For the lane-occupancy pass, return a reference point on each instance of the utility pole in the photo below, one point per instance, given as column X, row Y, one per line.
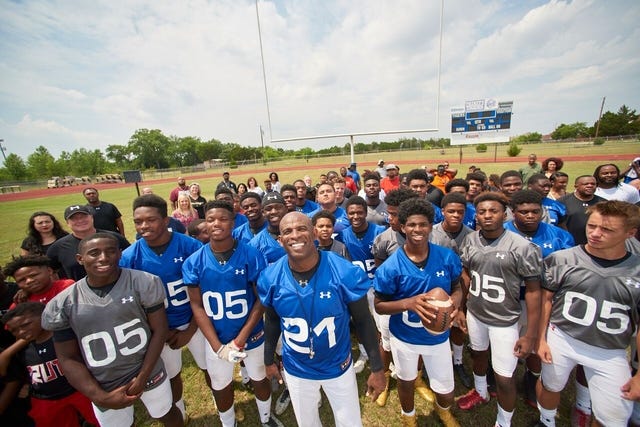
column 3, row 149
column 600, row 115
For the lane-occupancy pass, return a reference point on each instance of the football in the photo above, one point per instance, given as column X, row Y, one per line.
column 440, row 299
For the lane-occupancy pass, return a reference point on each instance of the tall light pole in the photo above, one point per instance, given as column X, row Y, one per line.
column 3, row 149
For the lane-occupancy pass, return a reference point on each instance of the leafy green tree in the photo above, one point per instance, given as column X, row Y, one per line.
column 40, row 163
column 150, row 148
column 85, row 162
column 574, row 130
column 208, row 150
column 624, row 122
column 119, row 154
column 15, row 167
column 528, row 137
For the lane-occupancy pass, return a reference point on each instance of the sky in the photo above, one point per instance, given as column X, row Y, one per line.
column 77, row 74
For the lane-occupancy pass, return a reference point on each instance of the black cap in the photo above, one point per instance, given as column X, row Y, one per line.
column 272, row 197
column 72, row 210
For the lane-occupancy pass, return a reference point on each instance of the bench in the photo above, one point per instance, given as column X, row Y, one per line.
column 10, row 189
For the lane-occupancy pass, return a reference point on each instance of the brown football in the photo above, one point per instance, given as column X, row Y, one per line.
column 440, row 299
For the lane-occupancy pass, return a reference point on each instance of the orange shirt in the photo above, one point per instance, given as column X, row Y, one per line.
column 388, row 184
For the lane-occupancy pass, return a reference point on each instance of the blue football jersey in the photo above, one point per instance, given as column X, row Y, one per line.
column 549, row 237
column 227, row 289
column 556, row 210
column 314, row 317
column 470, row 216
column 244, row 233
column 340, row 214
column 168, row 266
column 268, row 246
column 239, row 220
column 400, row 278
column 308, row 207
column 360, row 249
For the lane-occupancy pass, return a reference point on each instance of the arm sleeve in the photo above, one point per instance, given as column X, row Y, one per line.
column 366, row 330
column 271, row 334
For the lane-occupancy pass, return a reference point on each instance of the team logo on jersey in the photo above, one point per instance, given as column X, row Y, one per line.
column 325, row 295
column 547, row 245
column 632, row 282
column 177, row 260
column 127, row 299
column 303, row 283
column 42, row 351
column 499, row 255
column 239, row 271
column 440, row 273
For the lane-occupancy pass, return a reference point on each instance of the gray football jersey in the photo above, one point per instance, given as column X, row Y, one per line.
column 632, row 245
column 113, row 333
column 442, row 238
column 594, row 304
column 497, row 269
column 387, row 243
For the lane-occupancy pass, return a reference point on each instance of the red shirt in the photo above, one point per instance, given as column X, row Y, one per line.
column 44, row 297
column 388, row 184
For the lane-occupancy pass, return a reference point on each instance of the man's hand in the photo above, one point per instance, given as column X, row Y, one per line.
column 117, row 398
column 272, row 372
column 544, row 352
column 376, row 383
column 230, row 353
column 178, row 339
column 460, row 320
column 523, row 347
column 631, row 389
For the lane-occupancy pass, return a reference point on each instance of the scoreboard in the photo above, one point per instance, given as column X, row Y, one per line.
column 481, row 121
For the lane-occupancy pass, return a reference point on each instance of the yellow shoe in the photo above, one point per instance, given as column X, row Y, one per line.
column 447, row 417
column 409, row 420
column 239, row 415
column 424, row 391
column 382, row 398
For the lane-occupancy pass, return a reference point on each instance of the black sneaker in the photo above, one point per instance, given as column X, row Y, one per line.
column 282, row 402
column 273, row 422
column 462, row 375
column 529, row 384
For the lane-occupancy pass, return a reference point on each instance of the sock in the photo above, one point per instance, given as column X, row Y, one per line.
column 409, row 414
column 481, row 385
column 363, row 352
column 228, row 417
column 504, row 417
column 183, row 410
column 264, row 409
column 547, row 416
column 583, row 400
column 457, row 354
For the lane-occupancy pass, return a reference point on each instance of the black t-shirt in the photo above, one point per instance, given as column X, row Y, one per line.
column 7, row 292
column 63, row 255
column 47, row 378
column 576, row 218
column 105, row 215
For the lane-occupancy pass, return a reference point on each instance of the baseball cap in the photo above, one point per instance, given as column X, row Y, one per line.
column 380, row 161
column 390, row 166
column 636, row 160
column 272, row 197
column 74, row 209
column 225, row 173
column 352, row 164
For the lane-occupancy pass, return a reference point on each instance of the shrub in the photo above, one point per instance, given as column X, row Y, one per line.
column 513, row 149
column 481, row 148
column 598, row 141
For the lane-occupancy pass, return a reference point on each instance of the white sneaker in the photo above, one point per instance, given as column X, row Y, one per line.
column 359, row 365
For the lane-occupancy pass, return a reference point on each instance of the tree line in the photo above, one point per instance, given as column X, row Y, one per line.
column 151, row 149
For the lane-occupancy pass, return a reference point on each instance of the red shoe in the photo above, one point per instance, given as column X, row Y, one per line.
column 579, row 418
column 471, row 400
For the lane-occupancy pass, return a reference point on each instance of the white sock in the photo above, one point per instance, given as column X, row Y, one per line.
column 245, row 375
column 457, row 354
column 547, row 416
column 583, row 400
column 228, row 417
column 363, row 352
column 409, row 414
column 480, row 382
column 183, row 410
column 264, row 409
column 504, row 417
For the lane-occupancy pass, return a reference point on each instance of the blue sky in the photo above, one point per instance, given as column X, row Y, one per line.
column 79, row 74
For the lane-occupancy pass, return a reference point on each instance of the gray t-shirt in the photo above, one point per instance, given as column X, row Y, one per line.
column 497, row 268
column 112, row 331
column 386, row 243
column 594, row 304
column 442, row 238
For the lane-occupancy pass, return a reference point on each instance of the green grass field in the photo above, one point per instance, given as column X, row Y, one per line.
column 197, row 396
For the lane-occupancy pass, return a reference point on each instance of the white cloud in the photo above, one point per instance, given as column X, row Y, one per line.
column 92, row 73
